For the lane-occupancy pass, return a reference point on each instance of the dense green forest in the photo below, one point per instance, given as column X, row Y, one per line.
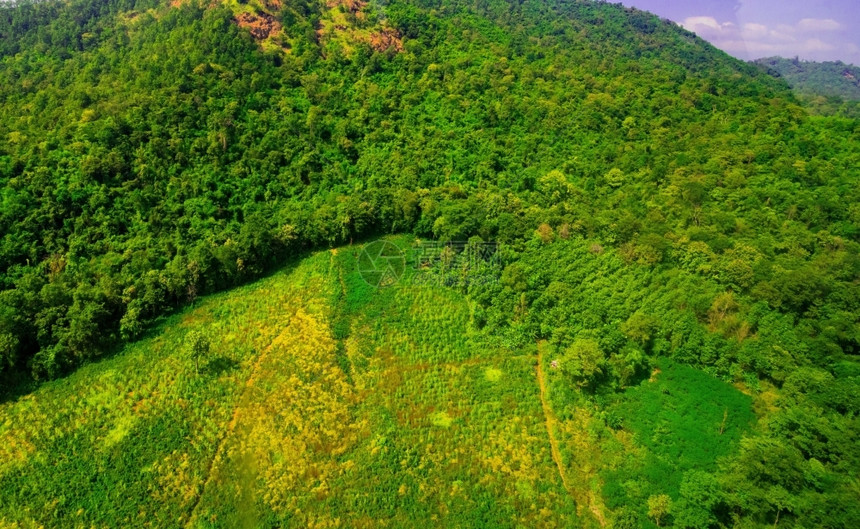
column 659, row 204
column 831, row 87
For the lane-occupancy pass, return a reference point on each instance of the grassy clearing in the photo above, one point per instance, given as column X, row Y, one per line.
column 141, row 425
column 325, row 403
column 328, row 403
column 681, row 421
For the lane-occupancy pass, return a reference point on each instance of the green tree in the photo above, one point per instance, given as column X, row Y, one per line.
column 8, row 350
column 615, row 177
column 700, row 494
column 659, row 507
column 582, row 361
column 639, row 328
column 197, row 347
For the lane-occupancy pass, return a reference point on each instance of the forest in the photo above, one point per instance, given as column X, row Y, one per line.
column 659, row 205
column 827, row 88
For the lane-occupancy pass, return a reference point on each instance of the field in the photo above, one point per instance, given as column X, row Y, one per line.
column 684, row 421
column 324, row 402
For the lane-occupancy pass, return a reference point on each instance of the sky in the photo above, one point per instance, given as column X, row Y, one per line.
column 750, row 29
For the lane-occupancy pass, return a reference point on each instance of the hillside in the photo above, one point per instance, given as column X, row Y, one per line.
column 827, row 87
column 822, row 78
column 322, row 403
column 167, row 155
column 667, row 217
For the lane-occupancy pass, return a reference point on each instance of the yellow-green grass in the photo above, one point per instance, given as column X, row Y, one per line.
column 324, row 403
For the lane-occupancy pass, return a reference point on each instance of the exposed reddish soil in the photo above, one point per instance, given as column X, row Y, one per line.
column 260, row 26
column 354, row 6
column 386, row 38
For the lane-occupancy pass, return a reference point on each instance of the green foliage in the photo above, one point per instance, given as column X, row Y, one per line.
column 659, row 506
column 436, row 421
column 687, row 421
column 8, row 350
column 174, row 172
column 582, row 362
column 196, row 348
column 828, row 88
column 659, row 203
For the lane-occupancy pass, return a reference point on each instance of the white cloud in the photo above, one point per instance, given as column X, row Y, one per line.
column 817, row 45
column 782, row 36
column 696, row 22
column 818, row 24
column 706, row 25
column 755, row 31
column 812, row 38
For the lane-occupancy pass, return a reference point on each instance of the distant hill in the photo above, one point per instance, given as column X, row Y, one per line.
column 820, row 78
column 825, row 86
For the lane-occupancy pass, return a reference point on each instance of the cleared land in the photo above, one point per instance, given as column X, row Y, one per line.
column 324, row 403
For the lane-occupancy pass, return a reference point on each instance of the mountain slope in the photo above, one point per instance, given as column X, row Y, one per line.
column 828, row 88
column 322, row 402
column 817, row 78
column 169, row 156
column 273, row 432
column 655, row 199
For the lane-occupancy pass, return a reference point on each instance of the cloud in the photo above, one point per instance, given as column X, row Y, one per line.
column 782, row 36
column 818, row 24
column 817, row 45
column 813, row 38
column 755, row 31
column 706, row 25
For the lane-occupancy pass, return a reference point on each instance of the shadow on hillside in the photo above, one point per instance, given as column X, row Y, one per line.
column 219, row 365
column 16, row 383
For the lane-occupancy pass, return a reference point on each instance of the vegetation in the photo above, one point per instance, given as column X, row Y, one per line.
column 659, row 206
column 688, row 421
column 429, row 421
column 831, row 88
column 197, row 345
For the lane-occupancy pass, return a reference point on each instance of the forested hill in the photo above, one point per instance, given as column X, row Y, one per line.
column 833, row 78
column 655, row 198
column 831, row 87
column 152, row 153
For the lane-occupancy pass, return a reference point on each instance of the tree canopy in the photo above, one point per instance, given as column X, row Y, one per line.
column 656, row 198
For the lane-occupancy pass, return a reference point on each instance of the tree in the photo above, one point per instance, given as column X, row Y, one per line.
column 640, row 328
column 545, row 233
column 615, row 177
column 555, row 188
column 700, row 497
column 197, row 347
column 8, row 350
column 659, row 506
column 582, row 361
column 627, row 363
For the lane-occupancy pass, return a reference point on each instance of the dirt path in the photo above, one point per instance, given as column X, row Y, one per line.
column 579, row 492
column 551, row 420
column 332, row 254
column 231, row 426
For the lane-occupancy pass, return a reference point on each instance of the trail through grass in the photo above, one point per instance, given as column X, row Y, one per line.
column 325, row 403
column 551, row 419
